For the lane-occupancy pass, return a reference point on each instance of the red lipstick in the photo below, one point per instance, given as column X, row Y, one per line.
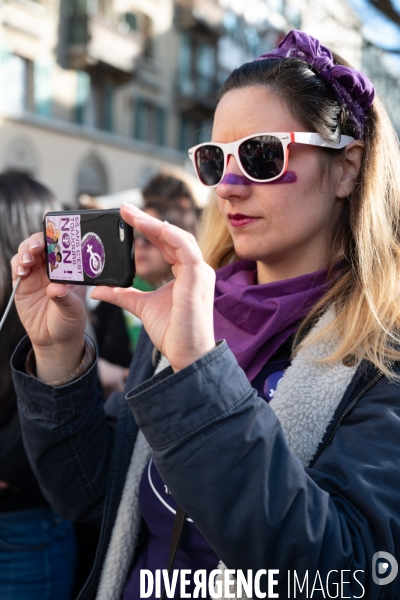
column 239, row 220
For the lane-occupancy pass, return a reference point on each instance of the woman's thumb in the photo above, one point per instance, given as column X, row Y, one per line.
column 127, row 298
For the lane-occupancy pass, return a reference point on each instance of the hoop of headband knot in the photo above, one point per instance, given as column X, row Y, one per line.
column 353, row 89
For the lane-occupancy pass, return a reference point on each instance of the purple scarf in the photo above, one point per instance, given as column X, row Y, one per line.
column 256, row 319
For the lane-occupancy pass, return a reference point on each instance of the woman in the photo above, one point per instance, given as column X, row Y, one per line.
column 37, row 546
column 290, row 463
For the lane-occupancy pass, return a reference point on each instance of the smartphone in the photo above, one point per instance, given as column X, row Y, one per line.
column 89, row 247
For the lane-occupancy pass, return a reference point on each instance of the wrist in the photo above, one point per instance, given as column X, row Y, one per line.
column 187, row 360
column 56, row 363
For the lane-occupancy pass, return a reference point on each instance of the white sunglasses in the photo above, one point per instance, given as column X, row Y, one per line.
column 262, row 157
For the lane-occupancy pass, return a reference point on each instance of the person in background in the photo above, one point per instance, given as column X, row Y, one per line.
column 117, row 331
column 173, row 191
column 37, row 546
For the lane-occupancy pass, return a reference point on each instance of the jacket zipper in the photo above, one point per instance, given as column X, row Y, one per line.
column 351, row 406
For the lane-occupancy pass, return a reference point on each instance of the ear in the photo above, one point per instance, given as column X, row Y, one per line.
column 350, row 168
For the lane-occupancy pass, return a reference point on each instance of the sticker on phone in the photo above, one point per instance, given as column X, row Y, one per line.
column 93, row 255
column 64, row 255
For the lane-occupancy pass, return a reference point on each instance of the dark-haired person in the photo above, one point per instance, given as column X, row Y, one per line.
column 54, row 258
column 37, row 546
column 281, row 443
column 169, row 189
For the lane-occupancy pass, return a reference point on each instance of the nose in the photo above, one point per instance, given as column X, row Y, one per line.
column 234, row 183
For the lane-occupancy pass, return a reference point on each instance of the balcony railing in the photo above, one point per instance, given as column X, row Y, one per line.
column 97, row 43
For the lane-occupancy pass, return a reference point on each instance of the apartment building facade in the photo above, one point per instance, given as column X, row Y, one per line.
column 66, row 102
column 98, row 95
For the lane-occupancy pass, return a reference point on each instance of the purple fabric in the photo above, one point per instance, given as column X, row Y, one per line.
column 233, row 179
column 256, row 319
column 51, row 257
column 353, row 89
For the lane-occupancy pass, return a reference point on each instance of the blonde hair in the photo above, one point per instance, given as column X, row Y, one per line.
column 366, row 291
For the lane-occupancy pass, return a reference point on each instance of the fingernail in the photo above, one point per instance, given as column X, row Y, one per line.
column 21, row 271
column 27, row 258
column 63, row 295
column 142, row 216
column 131, row 207
column 36, row 244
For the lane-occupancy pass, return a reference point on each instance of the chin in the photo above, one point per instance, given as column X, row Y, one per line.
column 249, row 254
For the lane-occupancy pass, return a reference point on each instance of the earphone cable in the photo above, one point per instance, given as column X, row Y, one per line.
column 10, row 303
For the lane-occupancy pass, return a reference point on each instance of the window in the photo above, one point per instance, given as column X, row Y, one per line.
column 205, row 69
column 233, row 25
column 28, row 84
column 81, row 6
column 42, row 87
column 131, row 20
column 82, row 96
column 108, row 102
column 16, row 81
column 244, row 34
column 277, row 5
column 94, row 102
column 186, row 85
column 149, row 122
column 197, row 66
column 293, row 13
column 193, row 131
column 253, row 41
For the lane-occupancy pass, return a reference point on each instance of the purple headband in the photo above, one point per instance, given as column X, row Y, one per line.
column 353, row 89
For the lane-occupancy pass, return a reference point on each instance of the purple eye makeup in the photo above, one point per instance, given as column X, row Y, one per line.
column 233, row 179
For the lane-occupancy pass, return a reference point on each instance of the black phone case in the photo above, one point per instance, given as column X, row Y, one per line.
column 118, row 268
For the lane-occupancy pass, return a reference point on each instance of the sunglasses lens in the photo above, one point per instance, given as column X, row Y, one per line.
column 210, row 164
column 262, row 157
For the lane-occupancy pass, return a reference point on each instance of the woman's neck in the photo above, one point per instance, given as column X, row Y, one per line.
column 270, row 272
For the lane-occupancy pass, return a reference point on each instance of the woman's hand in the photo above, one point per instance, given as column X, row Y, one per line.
column 179, row 315
column 53, row 314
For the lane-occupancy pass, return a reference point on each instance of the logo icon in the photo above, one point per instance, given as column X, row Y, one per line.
column 66, row 240
column 93, row 255
column 271, row 383
column 384, row 568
